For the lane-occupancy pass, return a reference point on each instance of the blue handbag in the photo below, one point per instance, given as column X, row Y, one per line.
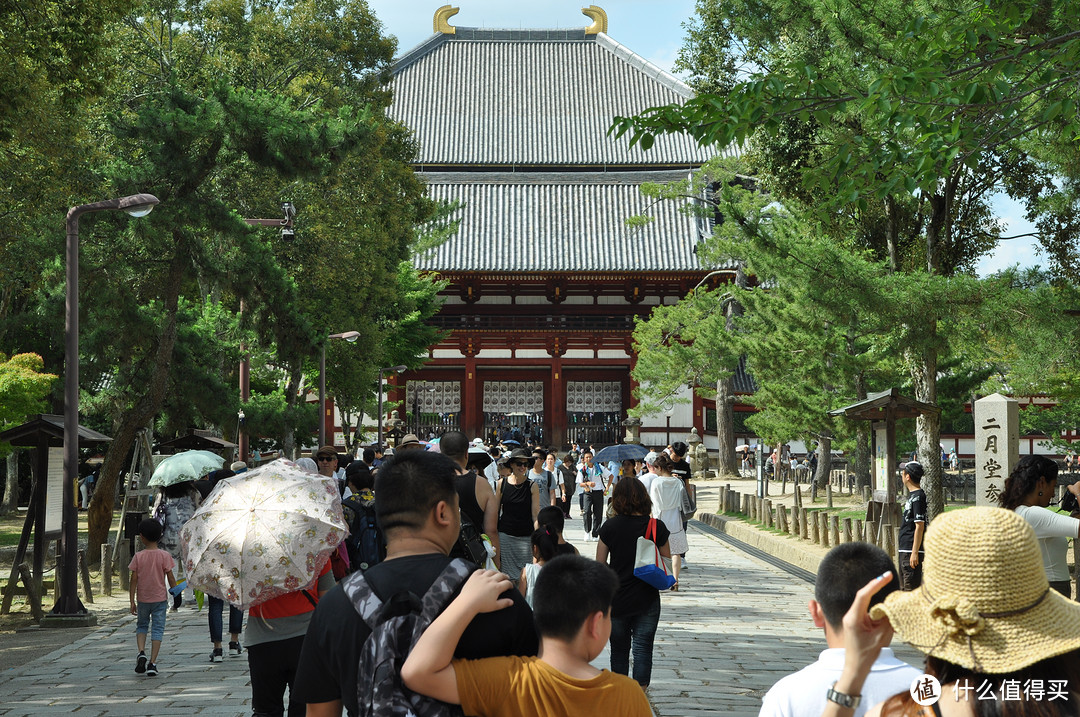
column 649, row 564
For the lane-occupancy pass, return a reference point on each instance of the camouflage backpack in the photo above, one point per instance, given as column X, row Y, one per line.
column 395, row 627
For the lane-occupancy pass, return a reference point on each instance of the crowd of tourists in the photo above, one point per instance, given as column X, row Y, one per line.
column 469, row 594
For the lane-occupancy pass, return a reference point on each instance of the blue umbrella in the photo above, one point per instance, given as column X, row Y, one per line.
column 621, row 452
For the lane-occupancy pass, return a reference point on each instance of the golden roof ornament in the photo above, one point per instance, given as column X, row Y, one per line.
column 441, row 21
column 599, row 18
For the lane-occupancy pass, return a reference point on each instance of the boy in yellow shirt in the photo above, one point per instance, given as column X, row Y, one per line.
column 572, row 609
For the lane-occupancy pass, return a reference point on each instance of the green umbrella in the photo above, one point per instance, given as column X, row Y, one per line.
column 186, row 466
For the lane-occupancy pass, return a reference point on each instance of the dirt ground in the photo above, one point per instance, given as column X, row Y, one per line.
column 21, row 640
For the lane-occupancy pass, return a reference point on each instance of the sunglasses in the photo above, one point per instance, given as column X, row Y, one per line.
column 522, row 464
column 325, row 459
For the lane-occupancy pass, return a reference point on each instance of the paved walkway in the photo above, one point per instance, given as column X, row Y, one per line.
column 736, row 626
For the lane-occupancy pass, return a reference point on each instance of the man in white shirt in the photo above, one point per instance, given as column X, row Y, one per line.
column 844, row 570
column 593, row 479
column 646, row 478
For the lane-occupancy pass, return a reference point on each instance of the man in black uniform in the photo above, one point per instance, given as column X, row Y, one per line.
column 417, row 507
column 912, row 528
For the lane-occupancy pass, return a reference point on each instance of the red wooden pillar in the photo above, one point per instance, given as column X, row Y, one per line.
column 558, row 403
column 699, row 414
column 472, row 419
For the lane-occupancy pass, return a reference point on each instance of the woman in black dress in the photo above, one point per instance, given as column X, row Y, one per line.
column 635, row 611
column 518, row 499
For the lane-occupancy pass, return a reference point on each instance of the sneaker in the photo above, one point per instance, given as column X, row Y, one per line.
column 586, row 536
column 140, row 663
column 217, row 655
column 151, row 670
column 234, row 649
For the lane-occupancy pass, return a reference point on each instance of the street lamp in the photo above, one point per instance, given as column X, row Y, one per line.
column 288, row 232
column 351, row 337
column 396, row 369
column 68, row 604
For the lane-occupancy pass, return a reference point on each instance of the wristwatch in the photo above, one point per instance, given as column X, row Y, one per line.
column 849, row 701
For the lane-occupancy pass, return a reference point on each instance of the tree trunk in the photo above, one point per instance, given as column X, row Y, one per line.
column 862, row 440
column 924, row 364
column 11, row 484
column 928, row 429
column 292, row 397
column 728, row 466
column 138, row 416
column 728, row 463
column 862, row 455
column 824, row 460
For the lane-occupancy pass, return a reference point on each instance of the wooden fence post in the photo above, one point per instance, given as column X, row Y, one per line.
column 804, row 523
column 84, row 572
column 33, row 599
column 834, row 532
column 106, row 569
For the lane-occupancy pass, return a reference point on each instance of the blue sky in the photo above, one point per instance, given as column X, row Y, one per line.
column 652, row 29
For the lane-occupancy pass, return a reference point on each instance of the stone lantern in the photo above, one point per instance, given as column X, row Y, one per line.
column 633, row 430
column 697, row 454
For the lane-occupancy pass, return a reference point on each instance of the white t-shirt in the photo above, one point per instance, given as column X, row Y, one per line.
column 1053, row 531
column 802, row 694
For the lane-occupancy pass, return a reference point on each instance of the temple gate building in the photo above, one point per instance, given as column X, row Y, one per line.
column 546, row 277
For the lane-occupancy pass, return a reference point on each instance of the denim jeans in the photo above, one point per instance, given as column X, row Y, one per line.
column 146, row 612
column 639, row 631
column 214, row 609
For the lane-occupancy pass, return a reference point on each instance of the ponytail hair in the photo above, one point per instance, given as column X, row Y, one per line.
column 1025, row 476
column 663, row 463
column 544, row 540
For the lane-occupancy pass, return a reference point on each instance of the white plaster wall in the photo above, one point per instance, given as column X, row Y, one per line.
column 611, row 354
column 532, row 354
column 447, row 353
column 578, row 354
column 493, row 353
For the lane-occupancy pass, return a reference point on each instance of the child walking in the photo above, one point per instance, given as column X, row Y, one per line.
column 543, row 550
column 573, row 617
column 150, row 567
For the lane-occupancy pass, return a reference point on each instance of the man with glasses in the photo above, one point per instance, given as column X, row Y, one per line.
column 326, row 458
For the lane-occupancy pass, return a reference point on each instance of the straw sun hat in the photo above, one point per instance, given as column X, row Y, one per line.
column 984, row 603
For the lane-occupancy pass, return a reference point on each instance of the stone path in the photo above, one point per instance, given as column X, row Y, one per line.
column 736, row 626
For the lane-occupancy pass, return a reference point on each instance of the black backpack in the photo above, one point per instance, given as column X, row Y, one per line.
column 395, row 627
column 365, row 543
column 470, row 544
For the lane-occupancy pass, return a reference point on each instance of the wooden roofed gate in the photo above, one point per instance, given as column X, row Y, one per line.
column 546, row 276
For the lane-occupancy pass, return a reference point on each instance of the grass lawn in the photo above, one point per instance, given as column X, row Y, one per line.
column 11, row 527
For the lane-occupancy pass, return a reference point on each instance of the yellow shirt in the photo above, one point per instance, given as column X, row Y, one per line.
column 527, row 687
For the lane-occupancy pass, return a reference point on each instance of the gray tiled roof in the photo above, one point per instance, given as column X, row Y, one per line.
column 532, row 97
column 572, row 221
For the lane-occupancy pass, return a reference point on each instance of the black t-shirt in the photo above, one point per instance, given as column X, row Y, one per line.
column 620, row 533
column 914, row 512
column 681, row 470
column 331, row 653
column 515, row 511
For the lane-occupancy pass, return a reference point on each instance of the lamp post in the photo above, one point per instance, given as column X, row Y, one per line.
column 68, row 604
column 288, row 232
column 351, row 337
column 396, row 369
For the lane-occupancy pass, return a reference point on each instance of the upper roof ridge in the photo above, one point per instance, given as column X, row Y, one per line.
column 574, row 34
